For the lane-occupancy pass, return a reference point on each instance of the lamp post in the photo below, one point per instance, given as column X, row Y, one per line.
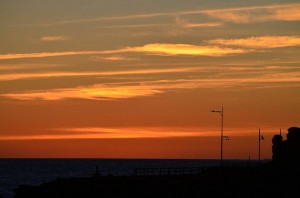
column 221, row 137
column 260, row 137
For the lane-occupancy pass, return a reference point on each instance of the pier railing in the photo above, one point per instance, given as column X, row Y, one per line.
column 167, row 171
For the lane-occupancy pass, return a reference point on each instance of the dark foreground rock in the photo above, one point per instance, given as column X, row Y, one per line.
column 213, row 182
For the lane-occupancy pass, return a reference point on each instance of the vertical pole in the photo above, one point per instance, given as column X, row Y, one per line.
column 258, row 145
column 222, row 114
column 280, row 131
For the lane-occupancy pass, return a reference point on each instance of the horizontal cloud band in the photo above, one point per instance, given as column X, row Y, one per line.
column 281, row 12
column 147, row 88
column 260, row 42
column 157, row 49
column 164, row 49
column 130, row 132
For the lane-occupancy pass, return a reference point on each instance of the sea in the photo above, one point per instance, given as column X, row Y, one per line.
column 15, row 172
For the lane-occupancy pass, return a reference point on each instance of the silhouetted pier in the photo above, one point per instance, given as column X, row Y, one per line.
column 167, row 171
column 277, row 179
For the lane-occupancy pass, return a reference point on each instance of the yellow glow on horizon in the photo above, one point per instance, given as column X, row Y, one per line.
column 135, row 132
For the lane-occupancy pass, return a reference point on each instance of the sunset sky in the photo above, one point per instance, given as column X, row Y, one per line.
column 138, row 78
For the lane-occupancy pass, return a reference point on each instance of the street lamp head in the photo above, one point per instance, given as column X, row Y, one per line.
column 226, row 137
column 222, row 137
column 214, row 111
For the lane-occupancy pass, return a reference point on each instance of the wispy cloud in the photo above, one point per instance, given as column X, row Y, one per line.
column 22, row 76
column 54, row 38
column 260, row 42
column 201, row 25
column 95, row 92
column 284, row 12
column 236, row 16
column 114, row 58
column 114, row 133
column 104, row 91
column 155, row 132
column 7, row 67
column 186, row 49
column 133, row 132
column 150, row 88
column 56, row 54
column 132, row 26
column 156, row 48
column 112, row 18
column 188, row 24
column 288, row 12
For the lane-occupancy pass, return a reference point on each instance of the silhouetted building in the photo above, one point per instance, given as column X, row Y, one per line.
column 287, row 151
column 277, row 148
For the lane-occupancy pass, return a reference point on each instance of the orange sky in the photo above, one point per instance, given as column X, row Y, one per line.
column 133, row 79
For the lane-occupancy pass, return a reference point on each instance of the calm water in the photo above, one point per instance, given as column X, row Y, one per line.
column 14, row 172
